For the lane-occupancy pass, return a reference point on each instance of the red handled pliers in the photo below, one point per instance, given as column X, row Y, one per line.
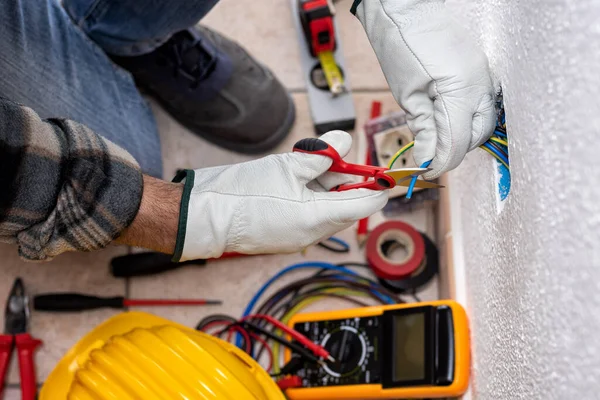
column 15, row 329
column 383, row 178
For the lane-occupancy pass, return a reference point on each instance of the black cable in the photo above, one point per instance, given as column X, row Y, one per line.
column 290, row 345
column 268, row 306
column 224, row 318
column 342, row 248
column 367, row 287
column 414, row 295
column 498, row 147
column 284, row 308
column 348, row 264
column 290, row 288
column 213, row 318
column 325, row 270
column 291, row 367
column 353, row 264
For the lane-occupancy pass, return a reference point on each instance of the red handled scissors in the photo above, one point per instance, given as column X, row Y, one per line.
column 15, row 327
column 383, row 178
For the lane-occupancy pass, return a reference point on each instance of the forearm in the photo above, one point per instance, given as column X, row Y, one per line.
column 155, row 225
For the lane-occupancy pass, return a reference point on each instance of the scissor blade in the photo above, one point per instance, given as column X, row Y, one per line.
column 421, row 184
column 17, row 309
column 403, row 173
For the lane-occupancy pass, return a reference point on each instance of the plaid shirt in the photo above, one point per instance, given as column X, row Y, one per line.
column 62, row 187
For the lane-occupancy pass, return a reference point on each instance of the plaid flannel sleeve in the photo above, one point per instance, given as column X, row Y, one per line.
column 62, row 187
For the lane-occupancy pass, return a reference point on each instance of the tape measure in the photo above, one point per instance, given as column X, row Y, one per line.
column 417, row 350
column 332, row 73
column 316, row 17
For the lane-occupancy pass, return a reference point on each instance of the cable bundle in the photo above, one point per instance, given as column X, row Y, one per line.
column 263, row 328
column 497, row 145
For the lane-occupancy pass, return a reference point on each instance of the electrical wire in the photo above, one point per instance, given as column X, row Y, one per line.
column 333, row 283
column 285, row 319
column 499, row 148
column 344, row 246
column 499, row 141
column 399, row 153
column 266, row 346
column 215, row 317
column 492, row 153
column 282, row 341
column 256, row 336
column 311, row 264
column 498, row 153
column 317, row 350
column 413, row 181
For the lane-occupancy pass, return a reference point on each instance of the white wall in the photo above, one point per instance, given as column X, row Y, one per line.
column 533, row 271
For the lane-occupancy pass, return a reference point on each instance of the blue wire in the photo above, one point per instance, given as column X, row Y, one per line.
column 413, row 181
column 339, row 241
column 496, row 152
column 498, row 133
column 309, row 264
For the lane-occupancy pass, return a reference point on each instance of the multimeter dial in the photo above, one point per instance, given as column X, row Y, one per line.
column 348, row 347
column 353, row 343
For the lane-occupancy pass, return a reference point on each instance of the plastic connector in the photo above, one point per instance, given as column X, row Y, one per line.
column 289, row 382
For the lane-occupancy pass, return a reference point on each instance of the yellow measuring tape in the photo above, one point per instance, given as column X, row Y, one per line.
column 332, row 72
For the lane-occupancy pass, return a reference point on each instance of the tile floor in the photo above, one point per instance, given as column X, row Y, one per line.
column 266, row 29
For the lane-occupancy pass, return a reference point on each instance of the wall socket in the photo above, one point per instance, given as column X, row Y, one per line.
column 387, row 143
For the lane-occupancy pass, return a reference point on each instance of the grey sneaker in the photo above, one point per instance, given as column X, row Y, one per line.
column 216, row 89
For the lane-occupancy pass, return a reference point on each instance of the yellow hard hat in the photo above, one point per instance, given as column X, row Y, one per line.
column 135, row 356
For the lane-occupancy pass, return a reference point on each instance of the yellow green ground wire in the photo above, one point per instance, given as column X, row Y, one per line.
column 399, row 153
column 498, row 140
column 497, row 158
column 303, row 304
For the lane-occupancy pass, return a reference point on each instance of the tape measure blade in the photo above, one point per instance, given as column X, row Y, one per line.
column 334, row 77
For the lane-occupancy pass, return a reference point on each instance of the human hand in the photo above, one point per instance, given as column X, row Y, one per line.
column 280, row 203
column 438, row 75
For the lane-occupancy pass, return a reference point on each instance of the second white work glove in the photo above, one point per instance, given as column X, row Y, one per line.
column 438, row 75
column 279, row 203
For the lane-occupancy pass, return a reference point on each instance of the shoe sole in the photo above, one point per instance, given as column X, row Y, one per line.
column 244, row 148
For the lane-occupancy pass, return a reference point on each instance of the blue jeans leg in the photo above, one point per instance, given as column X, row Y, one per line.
column 48, row 63
column 134, row 27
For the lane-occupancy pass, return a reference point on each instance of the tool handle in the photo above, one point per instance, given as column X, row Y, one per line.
column 320, row 147
column 6, row 346
column 71, row 302
column 376, row 184
column 26, row 345
column 141, row 264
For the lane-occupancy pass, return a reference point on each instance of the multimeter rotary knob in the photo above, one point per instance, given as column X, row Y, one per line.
column 348, row 347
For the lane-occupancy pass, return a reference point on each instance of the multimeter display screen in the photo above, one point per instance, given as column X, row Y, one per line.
column 409, row 347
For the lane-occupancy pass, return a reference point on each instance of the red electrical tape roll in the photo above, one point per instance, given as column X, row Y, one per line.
column 407, row 236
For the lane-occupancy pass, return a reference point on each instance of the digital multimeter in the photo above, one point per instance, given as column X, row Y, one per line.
column 418, row 350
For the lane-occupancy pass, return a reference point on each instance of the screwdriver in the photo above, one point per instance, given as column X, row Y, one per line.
column 150, row 263
column 73, row 302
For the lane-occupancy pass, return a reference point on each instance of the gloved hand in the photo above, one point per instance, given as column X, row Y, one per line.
column 436, row 73
column 279, row 203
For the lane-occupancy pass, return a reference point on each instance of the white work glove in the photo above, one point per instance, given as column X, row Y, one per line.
column 436, row 73
column 279, row 203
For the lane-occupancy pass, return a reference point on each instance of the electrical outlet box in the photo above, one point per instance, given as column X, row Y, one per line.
column 387, row 143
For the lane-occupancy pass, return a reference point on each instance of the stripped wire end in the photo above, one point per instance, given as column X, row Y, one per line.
column 330, row 358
